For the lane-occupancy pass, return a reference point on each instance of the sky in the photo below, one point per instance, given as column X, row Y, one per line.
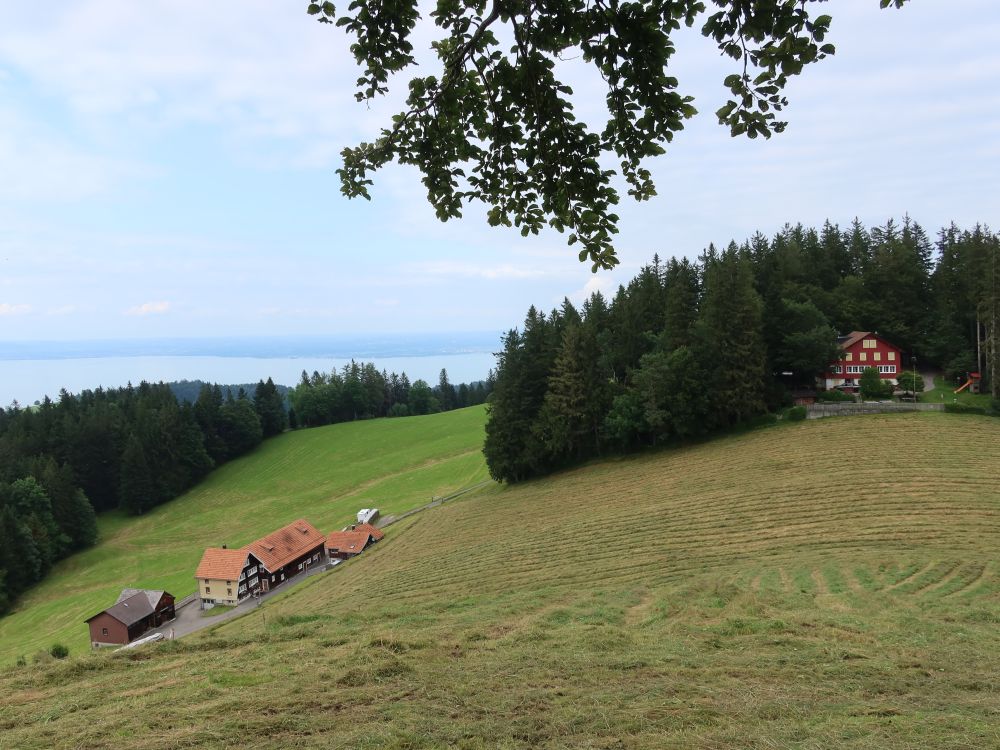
column 167, row 169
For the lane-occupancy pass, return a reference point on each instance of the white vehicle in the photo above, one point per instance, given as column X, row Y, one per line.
column 367, row 515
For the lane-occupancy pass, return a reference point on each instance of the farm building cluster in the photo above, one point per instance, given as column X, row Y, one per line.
column 230, row 576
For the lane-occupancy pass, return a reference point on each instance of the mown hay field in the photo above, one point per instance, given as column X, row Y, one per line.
column 323, row 475
column 829, row 584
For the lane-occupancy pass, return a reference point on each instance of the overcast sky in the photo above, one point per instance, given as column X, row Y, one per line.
column 167, row 169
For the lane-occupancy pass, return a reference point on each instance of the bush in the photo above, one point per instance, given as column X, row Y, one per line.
column 964, row 409
column 59, row 651
column 796, row 414
column 834, row 396
column 399, row 410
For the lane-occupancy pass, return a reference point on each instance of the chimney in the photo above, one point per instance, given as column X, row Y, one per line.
column 353, row 527
column 224, row 547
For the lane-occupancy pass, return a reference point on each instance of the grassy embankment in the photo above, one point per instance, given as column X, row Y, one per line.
column 823, row 584
column 323, row 475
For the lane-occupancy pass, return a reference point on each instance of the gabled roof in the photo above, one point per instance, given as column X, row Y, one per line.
column 153, row 595
column 280, row 547
column 348, row 541
column 129, row 611
column 846, row 342
column 377, row 534
column 221, row 563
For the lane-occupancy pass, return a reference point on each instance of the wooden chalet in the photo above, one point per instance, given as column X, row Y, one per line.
column 136, row 612
column 351, row 541
column 860, row 350
column 228, row 576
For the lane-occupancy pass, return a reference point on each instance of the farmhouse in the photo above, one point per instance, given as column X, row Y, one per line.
column 135, row 612
column 228, row 576
column 860, row 350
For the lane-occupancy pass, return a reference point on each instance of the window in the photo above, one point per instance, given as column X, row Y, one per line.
column 208, row 590
column 849, row 357
column 892, row 356
column 887, row 369
column 877, row 356
column 869, row 343
column 229, row 583
column 300, row 566
column 863, row 356
column 835, row 369
column 229, row 592
column 104, row 631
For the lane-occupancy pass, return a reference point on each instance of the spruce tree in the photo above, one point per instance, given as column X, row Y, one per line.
column 730, row 336
column 136, row 490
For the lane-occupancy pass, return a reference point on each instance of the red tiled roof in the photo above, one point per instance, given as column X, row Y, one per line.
column 376, row 533
column 280, row 547
column 348, row 541
column 221, row 564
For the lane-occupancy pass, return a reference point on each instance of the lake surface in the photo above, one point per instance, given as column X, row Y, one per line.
column 31, row 370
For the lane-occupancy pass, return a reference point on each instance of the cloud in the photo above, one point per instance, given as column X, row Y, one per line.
column 149, row 308
column 8, row 309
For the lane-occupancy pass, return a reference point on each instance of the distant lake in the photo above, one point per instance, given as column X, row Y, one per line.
column 31, row 370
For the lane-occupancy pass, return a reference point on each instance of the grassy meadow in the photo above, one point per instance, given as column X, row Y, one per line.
column 815, row 585
column 323, row 475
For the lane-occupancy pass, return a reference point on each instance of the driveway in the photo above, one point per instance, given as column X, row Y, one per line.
column 190, row 618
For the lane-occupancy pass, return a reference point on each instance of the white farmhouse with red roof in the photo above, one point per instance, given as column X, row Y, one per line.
column 860, row 350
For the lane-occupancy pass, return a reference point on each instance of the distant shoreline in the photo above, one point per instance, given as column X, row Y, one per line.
column 30, row 380
column 374, row 346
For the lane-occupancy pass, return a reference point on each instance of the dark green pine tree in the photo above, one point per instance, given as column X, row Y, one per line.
column 445, row 392
column 71, row 509
column 563, row 427
column 136, row 489
column 270, row 408
column 19, row 555
column 681, row 313
column 729, row 336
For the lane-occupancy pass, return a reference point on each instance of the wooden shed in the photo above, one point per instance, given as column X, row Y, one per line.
column 135, row 612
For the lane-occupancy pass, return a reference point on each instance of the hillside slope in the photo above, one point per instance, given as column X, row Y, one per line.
column 822, row 584
column 323, row 475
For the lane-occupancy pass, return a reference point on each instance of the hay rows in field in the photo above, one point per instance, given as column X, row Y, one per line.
column 913, row 486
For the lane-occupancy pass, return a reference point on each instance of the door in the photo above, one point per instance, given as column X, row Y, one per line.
column 264, row 585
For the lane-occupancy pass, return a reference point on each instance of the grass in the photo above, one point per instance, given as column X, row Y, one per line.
column 823, row 584
column 218, row 609
column 323, row 475
column 946, row 395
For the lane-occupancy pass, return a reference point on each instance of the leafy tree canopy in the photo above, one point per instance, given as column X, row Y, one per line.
column 496, row 123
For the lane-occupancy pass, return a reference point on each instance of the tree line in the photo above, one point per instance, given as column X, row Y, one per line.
column 362, row 391
column 691, row 347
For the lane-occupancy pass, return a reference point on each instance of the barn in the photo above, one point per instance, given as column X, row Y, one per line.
column 136, row 612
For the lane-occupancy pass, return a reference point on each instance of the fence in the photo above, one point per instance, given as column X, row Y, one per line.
column 818, row 411
column 185, row 601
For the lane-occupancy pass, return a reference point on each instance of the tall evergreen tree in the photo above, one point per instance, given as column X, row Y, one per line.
column 730, row 333
column 136, row 490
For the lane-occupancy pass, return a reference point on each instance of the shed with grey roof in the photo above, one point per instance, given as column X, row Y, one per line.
column 135, row 612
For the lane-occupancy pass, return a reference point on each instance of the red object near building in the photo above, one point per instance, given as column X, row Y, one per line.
column 860, row 350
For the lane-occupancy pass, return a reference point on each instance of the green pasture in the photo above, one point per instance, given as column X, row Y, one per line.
column 827, row 584
column 323, row 475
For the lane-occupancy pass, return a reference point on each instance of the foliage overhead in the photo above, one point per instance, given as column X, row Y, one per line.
column 496, row 124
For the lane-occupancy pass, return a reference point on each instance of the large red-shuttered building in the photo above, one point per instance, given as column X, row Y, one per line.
column 858, row 351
